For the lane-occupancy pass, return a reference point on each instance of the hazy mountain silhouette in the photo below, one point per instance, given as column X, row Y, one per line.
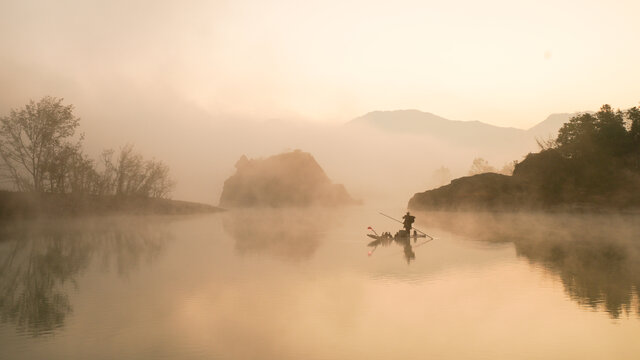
column 550, row 126
column 468, row 133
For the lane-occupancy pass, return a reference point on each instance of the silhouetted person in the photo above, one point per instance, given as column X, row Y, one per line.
column 408, row 222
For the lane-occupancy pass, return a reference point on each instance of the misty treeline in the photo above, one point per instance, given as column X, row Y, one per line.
column 442, row 175
column 481, row 166
column 41, row 153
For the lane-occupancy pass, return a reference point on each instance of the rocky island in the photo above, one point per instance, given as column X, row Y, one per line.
column 287, row 179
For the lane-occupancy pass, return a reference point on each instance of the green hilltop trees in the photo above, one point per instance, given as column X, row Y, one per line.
column 40, row 152
column 601, row 134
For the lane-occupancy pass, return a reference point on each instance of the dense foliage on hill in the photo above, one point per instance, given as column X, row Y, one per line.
column 594, row 162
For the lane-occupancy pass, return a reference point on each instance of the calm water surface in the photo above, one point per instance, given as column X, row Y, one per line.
column 298, row 284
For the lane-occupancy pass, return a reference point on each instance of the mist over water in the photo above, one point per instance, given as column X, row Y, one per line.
column 298, row 283
column 595, row 256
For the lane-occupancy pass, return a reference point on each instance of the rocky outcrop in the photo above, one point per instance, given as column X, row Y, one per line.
column 288, row 179
column 488, row 190
column 544, row 180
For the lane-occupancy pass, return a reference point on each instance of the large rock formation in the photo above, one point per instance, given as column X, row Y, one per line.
column 489, row 190
column 288, row 179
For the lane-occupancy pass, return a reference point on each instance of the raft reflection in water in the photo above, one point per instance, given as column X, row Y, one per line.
column 401, row 239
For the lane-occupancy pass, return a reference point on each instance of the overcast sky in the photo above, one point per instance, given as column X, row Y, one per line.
column 507, row 63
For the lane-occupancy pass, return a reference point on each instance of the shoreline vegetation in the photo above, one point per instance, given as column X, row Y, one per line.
column 46, row 172
column 592, row 166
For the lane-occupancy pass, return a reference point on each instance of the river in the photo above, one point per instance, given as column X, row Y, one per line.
column 301, row 284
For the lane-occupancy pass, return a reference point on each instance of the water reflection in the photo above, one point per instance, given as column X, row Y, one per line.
column 290, row 234
column 596, row 257
column 41, row 262
column 404, row 242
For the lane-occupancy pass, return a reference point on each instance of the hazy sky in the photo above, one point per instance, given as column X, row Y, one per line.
column 503, row 62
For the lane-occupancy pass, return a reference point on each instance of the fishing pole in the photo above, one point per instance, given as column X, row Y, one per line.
column 422, row 243
column 423, row 233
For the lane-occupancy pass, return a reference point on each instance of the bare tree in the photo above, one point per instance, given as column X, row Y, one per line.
column 157, row 182
column 106, row 177
column 36, row 155
column 82, row 177
column 32, row 137
column 129, row 171
column 132, row 175
column 57, row 167
column 546, row 143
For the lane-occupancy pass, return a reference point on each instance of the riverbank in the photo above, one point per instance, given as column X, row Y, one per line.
column 21, row 205
column 519, row 193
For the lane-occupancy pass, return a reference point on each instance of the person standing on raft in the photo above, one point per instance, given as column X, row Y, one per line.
column 408, row 222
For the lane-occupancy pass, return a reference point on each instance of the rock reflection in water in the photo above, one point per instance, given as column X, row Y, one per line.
column 596, row 257
column 40, row 263
column 291, row 234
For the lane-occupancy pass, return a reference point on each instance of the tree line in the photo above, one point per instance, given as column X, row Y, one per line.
column 594, row 158
column 40, row 152
column 606, row 133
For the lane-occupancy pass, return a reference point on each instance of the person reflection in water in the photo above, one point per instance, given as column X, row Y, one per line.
column 408, row 252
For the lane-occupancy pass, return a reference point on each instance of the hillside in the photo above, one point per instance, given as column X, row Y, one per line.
column 593, row 164
column 288, row 179
column 544, row 181
column 482, row 191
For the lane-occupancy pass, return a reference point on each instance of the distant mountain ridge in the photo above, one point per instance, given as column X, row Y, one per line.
column 468, row 132
column 549, row 127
